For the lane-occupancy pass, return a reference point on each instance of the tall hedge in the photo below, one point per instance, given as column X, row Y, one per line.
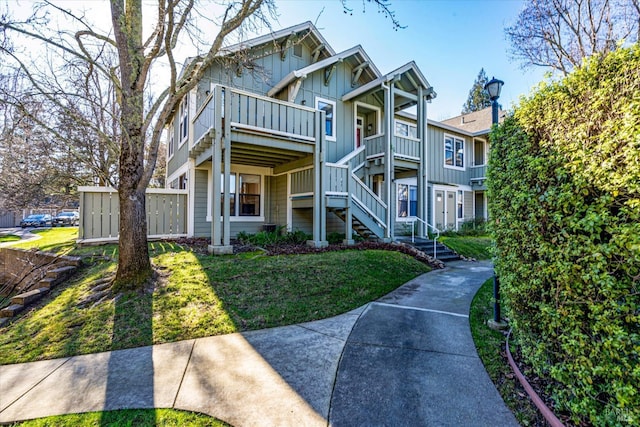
column 564, row 188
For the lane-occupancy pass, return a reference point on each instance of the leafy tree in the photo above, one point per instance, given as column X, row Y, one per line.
column 559, row 34
column 564, row 191
column 478, row 97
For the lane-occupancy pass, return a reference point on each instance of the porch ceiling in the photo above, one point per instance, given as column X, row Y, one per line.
column 257, row 155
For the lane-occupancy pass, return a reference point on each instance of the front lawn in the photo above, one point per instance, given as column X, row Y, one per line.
column 197, row 295
column 478, row 247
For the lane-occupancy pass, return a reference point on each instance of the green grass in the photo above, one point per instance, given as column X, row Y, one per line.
column 128, row 417
column 9, row 238
column 199, row 295
column 60, row 241
column 491, row 346
column 478, row 247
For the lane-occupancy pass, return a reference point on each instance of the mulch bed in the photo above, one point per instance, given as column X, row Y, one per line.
column 200, row 245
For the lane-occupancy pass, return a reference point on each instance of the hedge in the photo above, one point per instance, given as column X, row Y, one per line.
column 564, row 190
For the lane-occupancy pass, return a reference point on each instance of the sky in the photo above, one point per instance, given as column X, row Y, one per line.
column 450, row 40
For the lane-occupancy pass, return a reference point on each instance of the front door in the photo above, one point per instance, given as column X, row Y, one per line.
column 359, row 130
column 445, row 209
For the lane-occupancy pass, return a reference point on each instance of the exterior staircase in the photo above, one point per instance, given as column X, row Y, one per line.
column 443, row 253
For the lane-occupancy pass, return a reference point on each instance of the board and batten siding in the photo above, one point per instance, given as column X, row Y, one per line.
column 201, row 227
column 100, row 212
column 436, row 170
column 467, row 205
column 277, row 203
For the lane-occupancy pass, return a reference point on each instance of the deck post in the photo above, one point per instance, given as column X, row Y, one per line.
column 422, row 168
column 348, row 231
column 388, row 158
column 319, row 206
column 216, row 247
column 226, row 233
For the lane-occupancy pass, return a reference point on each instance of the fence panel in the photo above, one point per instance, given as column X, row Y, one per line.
column 100, row 212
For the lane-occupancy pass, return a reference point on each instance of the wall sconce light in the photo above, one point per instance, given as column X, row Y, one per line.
column 369, row 127
column 304, row 102
column 207, row 92
column 438, row 199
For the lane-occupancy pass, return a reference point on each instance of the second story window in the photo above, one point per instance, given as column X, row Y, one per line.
column 171, row 145
column 329, row 108
column 406, row 129
column 453, row 152
column 184, row 119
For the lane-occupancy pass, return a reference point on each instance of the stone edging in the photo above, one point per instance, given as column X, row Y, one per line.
column 542, row 407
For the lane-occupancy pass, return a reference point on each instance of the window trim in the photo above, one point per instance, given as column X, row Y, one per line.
column 409, row 183
column 334, row 126
column 409, row 124
column 444, row 158
column 485, row 151
column 183, row 116
column 171, row 143
column 236, row 216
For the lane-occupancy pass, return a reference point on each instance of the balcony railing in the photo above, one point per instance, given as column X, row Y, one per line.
column 255, row 113
column 478, row 172
column 406, row 148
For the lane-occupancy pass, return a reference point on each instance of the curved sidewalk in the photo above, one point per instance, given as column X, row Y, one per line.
column 406, row 359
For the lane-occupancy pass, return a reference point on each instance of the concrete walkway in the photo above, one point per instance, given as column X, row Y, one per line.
column 407, row 359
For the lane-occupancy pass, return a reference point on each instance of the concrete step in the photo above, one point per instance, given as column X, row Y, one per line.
column 12, row 310
column 57, row 272
column 47, row 283
column 27, row 297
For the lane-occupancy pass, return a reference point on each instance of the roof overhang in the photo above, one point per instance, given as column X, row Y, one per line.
column 361, row 58
column 407, row 79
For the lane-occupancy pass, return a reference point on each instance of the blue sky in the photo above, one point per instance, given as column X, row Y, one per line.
column 449, row 40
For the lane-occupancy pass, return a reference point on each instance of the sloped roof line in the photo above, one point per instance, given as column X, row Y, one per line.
column 303, row 72
column 275, row 35
column 409, row 66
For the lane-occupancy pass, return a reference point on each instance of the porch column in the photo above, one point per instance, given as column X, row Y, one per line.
column 227, row 177
column 319, row 204
column 348, row 230
column 216, row 247
column 389, row 109
column 422, row 168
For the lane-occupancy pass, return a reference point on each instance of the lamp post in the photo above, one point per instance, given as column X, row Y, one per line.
column 493, row 88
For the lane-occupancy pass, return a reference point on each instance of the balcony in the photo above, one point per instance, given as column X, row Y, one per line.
column 287, row 129
column 403, row 148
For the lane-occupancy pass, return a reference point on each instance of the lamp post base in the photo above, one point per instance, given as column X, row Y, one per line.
column 497, row 326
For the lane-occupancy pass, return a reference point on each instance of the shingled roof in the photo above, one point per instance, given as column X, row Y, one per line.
column 475, row 122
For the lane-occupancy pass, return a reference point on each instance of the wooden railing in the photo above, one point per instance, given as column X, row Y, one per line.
column 336, row 179
column 368, row 200
column 302, row 181
column 260, row 113
column 478, row 171
column 100, row 212
column 403, row 147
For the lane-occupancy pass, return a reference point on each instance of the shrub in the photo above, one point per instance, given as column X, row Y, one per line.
column 564, row 188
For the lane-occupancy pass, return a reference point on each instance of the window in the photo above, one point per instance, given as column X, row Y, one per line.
column 172, row 145
column 184, row 119
column 453, row 152
column 406, row 129
column 478, row 152
column 460, row 205
column 247, row 193
column 329, row 107
column 407, row 200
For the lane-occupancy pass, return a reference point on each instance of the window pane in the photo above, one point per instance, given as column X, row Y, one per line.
column 413, row 200
column 448, row 151
column 249, row 195
column 459, row 153
column 401, row 129
column 403, row 200
column 329, row 119
column 413, row 131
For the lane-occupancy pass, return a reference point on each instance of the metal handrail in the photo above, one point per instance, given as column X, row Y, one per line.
column 413, row 222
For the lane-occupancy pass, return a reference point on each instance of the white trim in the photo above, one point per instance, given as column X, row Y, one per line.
column 183, row 108
column 91, row 189
column 286, row 135
column 300, row 195
column 378, row 111
column 336, row 193
column 334, row 122
column 444, row 152
column 171, row 139
column 485, row 150
column 409, row 124
column 410, row 182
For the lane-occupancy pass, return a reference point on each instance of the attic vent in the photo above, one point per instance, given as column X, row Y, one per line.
column 297, row 50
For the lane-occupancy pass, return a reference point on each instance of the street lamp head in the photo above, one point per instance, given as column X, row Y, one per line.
column 493, row 88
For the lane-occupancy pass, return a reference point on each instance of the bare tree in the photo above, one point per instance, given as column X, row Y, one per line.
column 137, row 51
column 559, row 34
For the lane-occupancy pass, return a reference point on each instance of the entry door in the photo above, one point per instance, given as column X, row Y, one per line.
column 445, row 209
column 359, row 130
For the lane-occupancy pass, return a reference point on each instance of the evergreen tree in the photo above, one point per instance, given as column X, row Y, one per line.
column 478, row 97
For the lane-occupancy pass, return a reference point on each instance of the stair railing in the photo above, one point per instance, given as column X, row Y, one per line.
column 435, row 240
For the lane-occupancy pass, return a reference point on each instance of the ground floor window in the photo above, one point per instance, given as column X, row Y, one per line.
column 407, row 200
column 246, row 189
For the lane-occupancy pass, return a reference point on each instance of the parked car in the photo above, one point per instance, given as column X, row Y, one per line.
column 66, row 218
column 37, row 220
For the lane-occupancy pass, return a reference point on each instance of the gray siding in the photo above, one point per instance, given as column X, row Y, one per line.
column 277, row 202
column 436, row 171
column 302, row 220
column 180, row 156
column 201, row 228
column 468, row 205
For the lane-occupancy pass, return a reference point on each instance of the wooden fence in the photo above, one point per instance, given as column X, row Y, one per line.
column 100, row 213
